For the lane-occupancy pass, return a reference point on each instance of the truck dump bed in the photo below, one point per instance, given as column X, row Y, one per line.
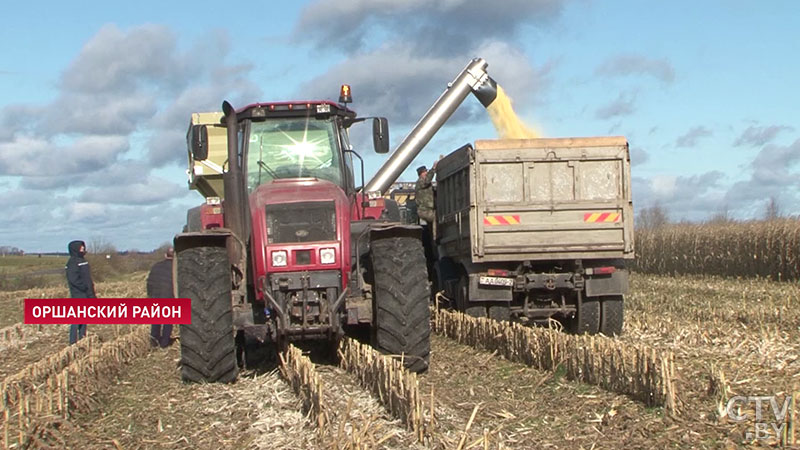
column 536, row 199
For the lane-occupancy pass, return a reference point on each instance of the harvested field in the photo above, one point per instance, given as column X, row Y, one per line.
column 726, row 338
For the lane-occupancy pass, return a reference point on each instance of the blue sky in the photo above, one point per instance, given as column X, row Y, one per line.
column 95, row 97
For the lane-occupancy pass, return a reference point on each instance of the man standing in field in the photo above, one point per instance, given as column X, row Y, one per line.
column 79, row 279
column 159, row 285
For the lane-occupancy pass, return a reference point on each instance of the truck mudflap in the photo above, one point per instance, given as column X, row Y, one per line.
column 611, row 284
column 484, row 287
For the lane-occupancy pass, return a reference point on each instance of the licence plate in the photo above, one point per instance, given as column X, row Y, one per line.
column 496, row 281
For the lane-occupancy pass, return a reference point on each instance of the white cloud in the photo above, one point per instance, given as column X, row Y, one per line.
column 625, row 65
column 34, row 156
column 623, row 105
column 756, row 136
column 120, row 110
column 691, row 138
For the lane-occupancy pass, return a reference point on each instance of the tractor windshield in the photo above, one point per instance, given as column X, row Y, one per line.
column 292, row 148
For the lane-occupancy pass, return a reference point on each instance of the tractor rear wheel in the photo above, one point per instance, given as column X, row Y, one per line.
column 611, row 315
column 402, row 313
column 208, row 347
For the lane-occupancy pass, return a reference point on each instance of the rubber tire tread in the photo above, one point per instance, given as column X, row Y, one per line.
column 402, row 295
column 501, row 313
column 463, row 304
column 475, row 311
column 611, row 315
column 588, row 321
column 208, row 347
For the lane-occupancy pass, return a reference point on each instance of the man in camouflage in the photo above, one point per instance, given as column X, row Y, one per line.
column 423, row 194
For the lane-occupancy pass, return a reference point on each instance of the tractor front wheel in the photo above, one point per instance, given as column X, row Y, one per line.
column 401, row 310
column 208, row 347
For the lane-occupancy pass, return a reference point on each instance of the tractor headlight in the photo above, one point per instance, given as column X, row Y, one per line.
column 279, row 258
column 327, row 256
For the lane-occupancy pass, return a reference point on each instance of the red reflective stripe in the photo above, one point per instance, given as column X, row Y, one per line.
column 602, row 217
column 500, row 220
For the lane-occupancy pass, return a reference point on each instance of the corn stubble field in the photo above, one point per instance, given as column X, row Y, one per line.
column 691, row 342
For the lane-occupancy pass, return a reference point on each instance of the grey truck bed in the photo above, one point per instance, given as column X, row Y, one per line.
column 536, row 199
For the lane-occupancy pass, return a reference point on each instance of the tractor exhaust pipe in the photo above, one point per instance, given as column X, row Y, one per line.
column 234, row 208
column 472, row 79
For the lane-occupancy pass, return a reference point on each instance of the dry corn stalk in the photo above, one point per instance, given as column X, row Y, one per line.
column 299, row 371
column 761, row 248
column 19, row 334
column 33, row 374
column 32, row 406
column 634, row 370
column 394, row 386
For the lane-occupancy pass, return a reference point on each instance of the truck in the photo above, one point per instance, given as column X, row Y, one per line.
column 286, row 248
column 537, row 229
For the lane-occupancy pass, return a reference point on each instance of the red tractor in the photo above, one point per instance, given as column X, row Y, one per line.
column 296, row 251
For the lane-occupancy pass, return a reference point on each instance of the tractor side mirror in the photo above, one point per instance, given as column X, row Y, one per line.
column 380, row 134
column 198, row 142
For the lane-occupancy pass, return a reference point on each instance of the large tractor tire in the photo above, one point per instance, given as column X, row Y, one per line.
column 208, row 347
column 611, row 315
column 402, row 313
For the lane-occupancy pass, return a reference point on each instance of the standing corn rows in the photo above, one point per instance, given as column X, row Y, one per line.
column 637, row 371
column 29, row 406
column 768, row 249
column 397, row 388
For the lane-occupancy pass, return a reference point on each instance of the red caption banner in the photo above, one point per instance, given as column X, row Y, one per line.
column 108, row 310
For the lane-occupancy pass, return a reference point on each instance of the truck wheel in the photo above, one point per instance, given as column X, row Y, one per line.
column 476, row 311
column 500, row 312
column 611, row 315
column 462, row 301
column 208, row 347
column 402, row 315
column 587, row 319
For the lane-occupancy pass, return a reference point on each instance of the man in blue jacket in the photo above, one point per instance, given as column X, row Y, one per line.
column 79, row 279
